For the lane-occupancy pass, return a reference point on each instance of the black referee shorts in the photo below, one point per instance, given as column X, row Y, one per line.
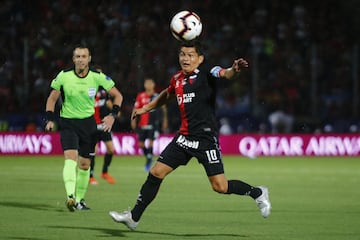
column 182, row 148
column 78, row 134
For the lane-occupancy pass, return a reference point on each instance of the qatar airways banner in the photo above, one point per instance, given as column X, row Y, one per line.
column 14, row 143
column 252, row 145
column 291, row 145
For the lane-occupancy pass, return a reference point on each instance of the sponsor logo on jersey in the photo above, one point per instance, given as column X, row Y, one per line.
column 92, row 92
column 185, row 98
column 186, row 143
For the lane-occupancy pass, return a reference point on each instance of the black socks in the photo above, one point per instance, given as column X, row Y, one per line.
column 242, row 188
column 152, row 184
column 147, row 193
column 148, row 153
column 92, row 165
column 107, row 161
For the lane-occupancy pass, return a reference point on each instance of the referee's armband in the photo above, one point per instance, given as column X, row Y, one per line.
column 215, row 71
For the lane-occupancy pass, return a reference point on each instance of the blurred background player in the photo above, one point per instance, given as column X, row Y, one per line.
column 147, row 125
column 103, row 106
column 78, row 86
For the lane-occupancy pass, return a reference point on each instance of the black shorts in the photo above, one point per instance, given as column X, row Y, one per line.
column 101, row 135
column 182, row 148
column 144, row 134
column 78, row 134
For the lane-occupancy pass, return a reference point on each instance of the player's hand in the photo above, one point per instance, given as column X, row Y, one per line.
column 49, row 126
column 138, row 112
column 239, row 64
column 108, row 122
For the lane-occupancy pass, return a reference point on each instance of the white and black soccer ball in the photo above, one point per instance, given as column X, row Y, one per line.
column 186, row 26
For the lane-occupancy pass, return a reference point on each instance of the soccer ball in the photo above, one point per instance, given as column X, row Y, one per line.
column 185, row 26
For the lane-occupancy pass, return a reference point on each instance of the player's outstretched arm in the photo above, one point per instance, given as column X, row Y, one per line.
column 236, row 67
column 163, row 98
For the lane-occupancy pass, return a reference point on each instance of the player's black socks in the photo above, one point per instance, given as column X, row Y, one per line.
column 107, row 161
column 148, row 155
column 150, row 150
column 145, row 151
column 242, row 188
column 92, row 165
column 147, row 193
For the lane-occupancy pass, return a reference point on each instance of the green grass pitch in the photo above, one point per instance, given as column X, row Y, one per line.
column 312, row 198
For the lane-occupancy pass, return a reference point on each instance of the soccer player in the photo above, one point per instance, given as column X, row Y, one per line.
column 103, row 104
column 78, row 86
column 146, row 124
column 194, row 89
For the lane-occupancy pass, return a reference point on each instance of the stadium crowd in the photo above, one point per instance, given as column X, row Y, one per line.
column 287, row 43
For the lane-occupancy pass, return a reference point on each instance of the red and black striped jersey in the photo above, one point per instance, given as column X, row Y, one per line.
column 196, row 98
column 150, row 119
column 101, row 110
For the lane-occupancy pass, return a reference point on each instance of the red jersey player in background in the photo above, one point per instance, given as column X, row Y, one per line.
column 103, row 106
column 147, row 125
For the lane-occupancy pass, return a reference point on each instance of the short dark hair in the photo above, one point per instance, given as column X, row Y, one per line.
column 149, row 78
column 82, row 46
column 193, row 44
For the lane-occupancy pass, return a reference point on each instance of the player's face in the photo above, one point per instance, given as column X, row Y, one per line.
column 189, row 59
column 149, row 84
column 81, row 59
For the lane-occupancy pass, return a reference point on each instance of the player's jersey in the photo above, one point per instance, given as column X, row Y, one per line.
column 101, row 110
column 79, row 93
column 148, row 120
column 196, row 97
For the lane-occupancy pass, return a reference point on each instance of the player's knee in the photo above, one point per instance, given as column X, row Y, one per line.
column 84, row 163
column 84, row 166
column 219, row 188
column 160, row 171
column 156, row 173
column 71, row 154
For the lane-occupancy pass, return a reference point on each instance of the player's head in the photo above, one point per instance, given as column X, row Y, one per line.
column 81, row 57
column 190, row 56
column 149, row 84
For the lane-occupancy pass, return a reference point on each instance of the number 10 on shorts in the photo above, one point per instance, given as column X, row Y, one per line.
column 212, row 156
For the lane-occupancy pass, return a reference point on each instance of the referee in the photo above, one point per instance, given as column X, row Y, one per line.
column 78, row 86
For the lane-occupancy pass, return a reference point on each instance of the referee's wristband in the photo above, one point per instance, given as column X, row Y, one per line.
column 115, row 110
column 50, row 116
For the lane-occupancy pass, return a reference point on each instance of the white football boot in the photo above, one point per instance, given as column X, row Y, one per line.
column 263, row 202
column 125, row 218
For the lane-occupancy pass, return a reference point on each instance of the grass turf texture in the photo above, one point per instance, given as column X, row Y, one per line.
column 313, row 198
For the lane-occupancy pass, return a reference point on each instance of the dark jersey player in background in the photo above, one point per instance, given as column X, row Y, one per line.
column 194, row 90
column 146, row 125
column 103, row 106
